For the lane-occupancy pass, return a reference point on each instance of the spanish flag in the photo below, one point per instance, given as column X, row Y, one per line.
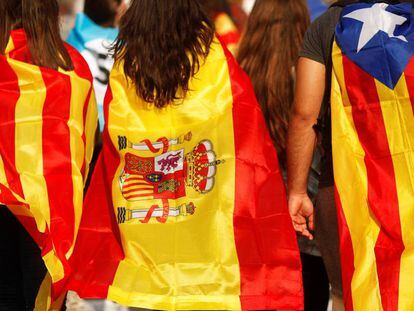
column 47, row 126
column 373, row 151
column 196, row 199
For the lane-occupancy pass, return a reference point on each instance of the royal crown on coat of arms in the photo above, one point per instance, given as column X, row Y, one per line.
column 164, row 176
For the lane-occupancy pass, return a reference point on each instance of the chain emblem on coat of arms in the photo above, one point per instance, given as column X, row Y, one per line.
column 164, row 176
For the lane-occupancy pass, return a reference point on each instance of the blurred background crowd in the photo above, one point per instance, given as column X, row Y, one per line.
column 69, row 9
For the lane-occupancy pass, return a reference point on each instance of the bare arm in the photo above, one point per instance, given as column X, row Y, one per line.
column 309, row 94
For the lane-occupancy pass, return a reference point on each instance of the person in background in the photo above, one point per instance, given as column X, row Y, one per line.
column 45, row 149
column 268, row 52
column 225, row 26
column 248, row 5
column 94, row 32
column 313, row 89
column 239, row 14
column 67, row 11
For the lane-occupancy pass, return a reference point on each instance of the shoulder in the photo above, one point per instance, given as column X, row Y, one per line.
column 79, row 63
column 319, row 37
column 327, row 21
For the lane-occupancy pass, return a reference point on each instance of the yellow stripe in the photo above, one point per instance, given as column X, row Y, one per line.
column 79, row 90
column 28, row 140
column 43, row 298
column 224, row 24
column 351, row 182
column 399, row 123
column 10, row 46
column 91, row 125
column 54, row 266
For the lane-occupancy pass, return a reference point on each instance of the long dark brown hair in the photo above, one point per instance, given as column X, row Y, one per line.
column 268, row 53
column 40, row 21
column 102, row 12
column 161, row 44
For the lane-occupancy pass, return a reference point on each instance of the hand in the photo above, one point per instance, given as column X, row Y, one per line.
column 301, row 211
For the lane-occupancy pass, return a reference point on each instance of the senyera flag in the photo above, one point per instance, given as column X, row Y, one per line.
column 373, row 140
column 47, row 126
column 196, row 197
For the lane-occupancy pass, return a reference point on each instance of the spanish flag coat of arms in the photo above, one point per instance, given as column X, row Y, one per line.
column 373, row 140
column 196, row 197
column 48, row 121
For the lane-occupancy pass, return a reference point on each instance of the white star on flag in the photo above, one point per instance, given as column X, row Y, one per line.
column 376, row 19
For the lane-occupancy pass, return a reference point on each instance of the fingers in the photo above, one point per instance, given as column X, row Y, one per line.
column 307, row 234
column 303, row 225
column 311, row 224
column 301, row 212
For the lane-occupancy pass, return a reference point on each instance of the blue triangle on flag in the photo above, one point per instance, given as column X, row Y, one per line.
column 384, row 57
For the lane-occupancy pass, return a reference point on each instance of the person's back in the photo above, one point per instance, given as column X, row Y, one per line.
column 47, row 125
column 355, row 108
column 188, row 167
column 272, row 69
column 372, row 144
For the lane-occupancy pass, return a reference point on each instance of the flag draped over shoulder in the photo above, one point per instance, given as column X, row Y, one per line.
column 373, row 140
column 196, row 198
column 47, row 126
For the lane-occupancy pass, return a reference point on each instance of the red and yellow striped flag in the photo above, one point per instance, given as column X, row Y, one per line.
column 373, row 141
column 48, row 121
column 196, row 198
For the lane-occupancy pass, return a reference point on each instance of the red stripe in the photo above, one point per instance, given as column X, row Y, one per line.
column 347, row 254
column 21, row 50
column 94, row 271
column 229, row 38
column 265, row 239
column 57, row 166
column 409, row 78
column 130, row 197
column 382, row 189
column 9, row 95
column 127, row 186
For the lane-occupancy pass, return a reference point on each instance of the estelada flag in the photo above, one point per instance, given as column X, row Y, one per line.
column 195, row 192
column 373, row 140
column 48, row 121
